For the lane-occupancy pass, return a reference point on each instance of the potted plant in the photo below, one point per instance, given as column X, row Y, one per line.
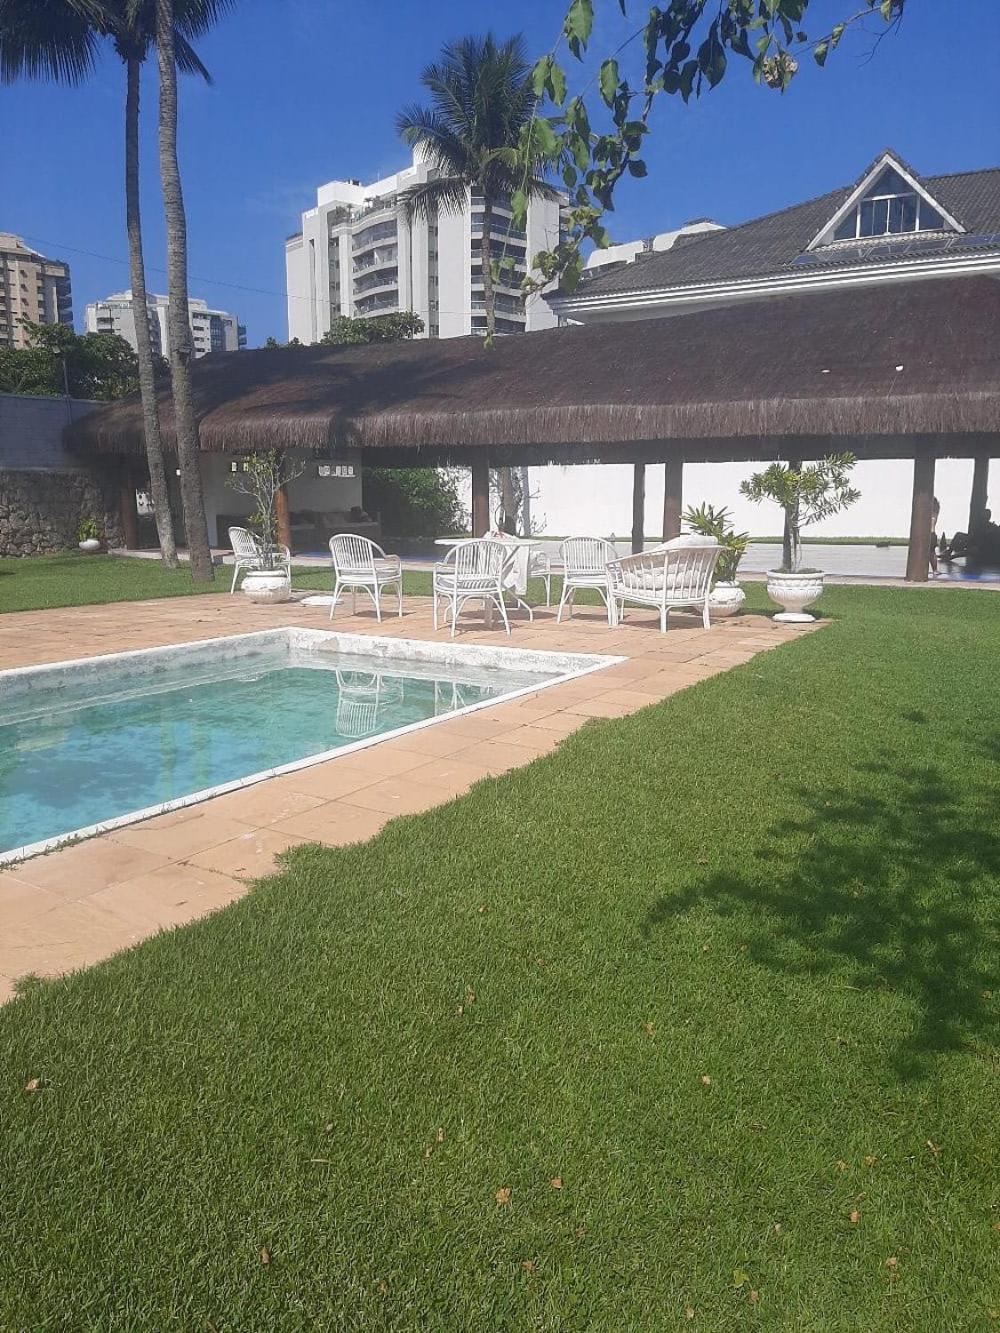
column 88, row 536
column 806, row 493
column 727, row 598
column 262, row 476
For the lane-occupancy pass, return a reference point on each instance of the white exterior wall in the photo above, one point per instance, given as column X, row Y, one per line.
column 597, row 498
column 454, row 279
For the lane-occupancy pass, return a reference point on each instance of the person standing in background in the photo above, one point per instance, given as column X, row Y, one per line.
column 935, row 514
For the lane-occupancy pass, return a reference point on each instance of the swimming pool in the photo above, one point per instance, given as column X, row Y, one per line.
column 90, row 745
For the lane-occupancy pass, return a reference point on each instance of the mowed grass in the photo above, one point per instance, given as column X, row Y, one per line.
column 693, row 1023
column 41, row 583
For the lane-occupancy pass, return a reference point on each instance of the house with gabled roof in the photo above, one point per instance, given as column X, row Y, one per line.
column 891, row 225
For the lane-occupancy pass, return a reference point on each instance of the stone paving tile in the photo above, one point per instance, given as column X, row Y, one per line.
column 70, row 908
column 265, row 802
column 87, row 867
column 330, row 780
column 496, row 757
column 399, row 796
column 433, row 741
column 450, row 774
column 250, row 856
column 170, row 896
column 335, row 823
column 189, row 831
column 22, row 902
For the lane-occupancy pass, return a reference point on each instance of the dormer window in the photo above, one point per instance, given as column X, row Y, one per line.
column 889, row 200
column 891, row 206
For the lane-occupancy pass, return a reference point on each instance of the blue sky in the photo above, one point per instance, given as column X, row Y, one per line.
column 306, row 91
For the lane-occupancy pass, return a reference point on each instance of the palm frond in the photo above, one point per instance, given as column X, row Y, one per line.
column 443, row 147
column 481, row 98
column 447, row 193
column 188, row 61
column 47, row 39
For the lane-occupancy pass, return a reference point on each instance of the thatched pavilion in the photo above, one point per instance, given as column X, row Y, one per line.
column 887, row 371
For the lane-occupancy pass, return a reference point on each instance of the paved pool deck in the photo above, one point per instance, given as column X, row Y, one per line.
column 72, row 907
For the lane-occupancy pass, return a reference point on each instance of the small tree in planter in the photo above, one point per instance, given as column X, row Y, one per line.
column 89, row 535
column 261, row 477
column 727, row 597
column 806, row 494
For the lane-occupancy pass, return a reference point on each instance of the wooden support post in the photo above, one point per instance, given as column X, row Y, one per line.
column 673, row 489
column 921, row 518
column 283, row 516
column 980, row 489
column 638, row 506
column 480, row 494
column 129, row 509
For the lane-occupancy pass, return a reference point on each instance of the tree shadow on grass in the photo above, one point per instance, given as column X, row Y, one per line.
column 891, row 881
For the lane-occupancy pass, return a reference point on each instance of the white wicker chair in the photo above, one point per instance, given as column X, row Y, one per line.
column 472, row 571
column 358, row 563
column 248, row 554
column 585, row 562
column 679, row 573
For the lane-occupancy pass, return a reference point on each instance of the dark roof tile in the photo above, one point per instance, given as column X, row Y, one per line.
column 773, row 243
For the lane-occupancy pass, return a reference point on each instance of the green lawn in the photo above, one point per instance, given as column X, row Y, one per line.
column 45, row 582
column 725, row 970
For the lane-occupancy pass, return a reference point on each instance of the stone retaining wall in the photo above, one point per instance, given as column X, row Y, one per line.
column 41, row 512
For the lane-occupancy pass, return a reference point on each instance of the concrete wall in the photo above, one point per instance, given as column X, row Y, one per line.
column 45, row 492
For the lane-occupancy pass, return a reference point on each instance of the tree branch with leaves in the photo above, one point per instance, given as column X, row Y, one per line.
column 687, row 46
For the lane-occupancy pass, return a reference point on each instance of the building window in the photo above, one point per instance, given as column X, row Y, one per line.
column 890, row 208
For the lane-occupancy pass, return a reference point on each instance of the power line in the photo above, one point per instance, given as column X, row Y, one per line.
column 217, row 282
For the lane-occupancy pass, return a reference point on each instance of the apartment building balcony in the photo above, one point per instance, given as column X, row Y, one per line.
column 385, row 205
column 372, row 236
column 381, row 257
column 508, row 312
column 378, row 282
column 508, row 289
column 375, row 305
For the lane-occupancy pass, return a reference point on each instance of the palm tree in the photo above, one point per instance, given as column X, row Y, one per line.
column 134, row 29
column 178, row 317
column 481, row 101
column 58, row 39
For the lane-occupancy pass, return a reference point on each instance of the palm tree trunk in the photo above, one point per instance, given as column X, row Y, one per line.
column 507, row 501
column 140, row 314
column 178, row 317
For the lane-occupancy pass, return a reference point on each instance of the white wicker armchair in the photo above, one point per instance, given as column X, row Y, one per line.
column 472, row 571
column 248, row 554
column 679, row 573
column 358, row 563
column 585, row 563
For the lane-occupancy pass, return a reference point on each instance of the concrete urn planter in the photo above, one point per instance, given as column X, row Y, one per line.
column 266, row 585
column 793, row 593
column 90, row 545
column 725, row 600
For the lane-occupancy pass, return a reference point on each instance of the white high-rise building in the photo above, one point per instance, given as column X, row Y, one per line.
column 359, row 255
column 211, row 330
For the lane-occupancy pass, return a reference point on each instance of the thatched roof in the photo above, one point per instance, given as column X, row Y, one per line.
column 913, row 359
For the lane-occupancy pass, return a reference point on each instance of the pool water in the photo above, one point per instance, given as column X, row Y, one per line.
column 78, row 754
